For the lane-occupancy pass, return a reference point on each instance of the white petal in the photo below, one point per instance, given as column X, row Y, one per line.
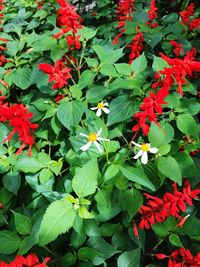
column 106, row 110
column 99, row 132
column 136, row 144
column 106, row 105
column 95, row 108
column 103, row 139
column 85, row 147
column 144, row 158
column 139, row 154
column 98, row 113
column 83, row 134
column 153, row 150
column 98, row 146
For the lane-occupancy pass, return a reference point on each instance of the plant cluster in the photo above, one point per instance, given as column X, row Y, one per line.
column 99, row 133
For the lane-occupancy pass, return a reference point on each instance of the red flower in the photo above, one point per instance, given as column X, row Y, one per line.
column 181, row 258
column 30, row 260
column 152, row 13
column 186, row 14
column 177, row 48
column 171, row 204
column 18, row 117
column 136, row 46
column 59, row 73
column 125, row 9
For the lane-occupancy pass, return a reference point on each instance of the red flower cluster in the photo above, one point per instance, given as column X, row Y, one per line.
column 40, row 4
column 136, row 46
column 177, row 48
column 124, row 12
column 171, row 204
column 181, row 258
column 152, row 13
column 70, row 22
column 30, row 260
column 59, row 73
column 175, row 74
column 18, row 117
column 191, row 23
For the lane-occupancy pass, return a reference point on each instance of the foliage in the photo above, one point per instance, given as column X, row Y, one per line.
column 99, row 133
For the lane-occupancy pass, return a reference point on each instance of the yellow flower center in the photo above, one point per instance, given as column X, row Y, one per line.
column 92, row 137
column 145, row 147
column 100, row 105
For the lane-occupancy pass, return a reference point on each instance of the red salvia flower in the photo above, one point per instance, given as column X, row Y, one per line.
column 124, row 12
column 186, row 14
column 69, row 22
column 152, row 13
column 181, row 258
column 177, row 48
column 59, row 73
column 30, row 260
column 171, row 204
column 18, row 117
column 136, row 46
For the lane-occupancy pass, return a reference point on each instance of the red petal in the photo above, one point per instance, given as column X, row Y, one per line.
column 62, row 3
column 47, row 68
column 161, row 256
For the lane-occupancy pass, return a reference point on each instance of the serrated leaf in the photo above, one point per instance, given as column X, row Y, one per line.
column 137, row 175
column 70, row 113
column 187, row 125
column 126, row 106
column 169, row 167
column 159, row 63
column 57, row 219
column 129, row 258
column 22, row 223
column 29, row 164
column 139, row 64
column 84, row 182
column 22, row 78
column 10, row 242
column 132, row 201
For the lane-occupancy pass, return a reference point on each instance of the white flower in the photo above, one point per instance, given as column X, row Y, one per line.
column 93, row 138
column 144, row 148
column 101, row 106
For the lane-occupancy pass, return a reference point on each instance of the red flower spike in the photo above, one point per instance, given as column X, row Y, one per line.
column 124, row 12
column 181, row 258
column 171, row 204
column 136, row 46
column 59, row 73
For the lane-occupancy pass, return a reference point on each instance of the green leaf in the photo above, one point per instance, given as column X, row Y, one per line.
column 175, row 240
column 108, row 69
column 126, row 106
column 105, row 205
column 29, row 164
column 187, row 125
column 56, row 166
column 123, row 68
column 84, row 182
column 159, row 63
column 84, row 213
column 12, row 181
column 10, row 242
column 153, row 39
column 45, row 175
column 22, row 223
column 102, row 246
column 22, row 78
column 70, row 113
column 139, row 64
column 132, row 201
column 57, row 219
column 156, row 135
column 86, row 79
column 169, row 167
column 129, row 258
column 108, row 56
column 187, row 165
column 137, row 175
column 90, row 254
column 87, row 33
column 162, row 229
